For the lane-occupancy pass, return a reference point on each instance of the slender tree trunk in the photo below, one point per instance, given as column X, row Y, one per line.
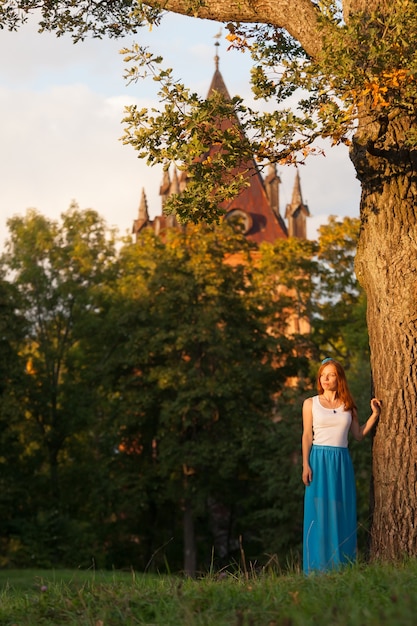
column 386, row 266
column 54, row 476
column 190, row 556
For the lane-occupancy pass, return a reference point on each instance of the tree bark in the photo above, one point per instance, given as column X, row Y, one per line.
column 386, row 266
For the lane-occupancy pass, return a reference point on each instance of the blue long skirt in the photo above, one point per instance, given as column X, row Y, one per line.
column 329, row 538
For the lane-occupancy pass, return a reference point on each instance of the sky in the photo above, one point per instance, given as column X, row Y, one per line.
column 62, row 106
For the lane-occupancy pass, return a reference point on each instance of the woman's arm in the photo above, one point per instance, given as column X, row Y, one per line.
column 359, row 432
column 307, row 440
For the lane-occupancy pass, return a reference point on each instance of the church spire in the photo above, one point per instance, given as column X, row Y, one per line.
column 297, row 198
column 143, row 207
column 297, row 212
column 217, row 83
column 143, row 215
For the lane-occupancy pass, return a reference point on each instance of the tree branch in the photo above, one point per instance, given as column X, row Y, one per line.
column 300, row 18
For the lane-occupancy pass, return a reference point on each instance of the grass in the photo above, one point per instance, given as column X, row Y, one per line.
column 373, row 595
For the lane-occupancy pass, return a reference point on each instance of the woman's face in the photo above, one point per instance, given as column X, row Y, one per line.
column 328, row 377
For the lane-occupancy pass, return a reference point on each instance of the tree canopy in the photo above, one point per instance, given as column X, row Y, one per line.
column 147, row 396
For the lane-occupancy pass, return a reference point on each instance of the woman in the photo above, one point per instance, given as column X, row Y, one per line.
column 330, row 496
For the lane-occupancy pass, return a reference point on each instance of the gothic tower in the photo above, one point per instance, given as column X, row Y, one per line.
column 297, row 212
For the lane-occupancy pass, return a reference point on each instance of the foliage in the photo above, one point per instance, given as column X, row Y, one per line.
column 363, row 75
column 339, row 319
column 185, row 130
column 367, row 67
column 13, row 476
column 185, row 134
column 57, row 273
column 276, row 514
column 288, row 268
column 167, row 364
column 198, row 379
column 112, row 19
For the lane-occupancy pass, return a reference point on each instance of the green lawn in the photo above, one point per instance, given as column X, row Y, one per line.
column 384, row 595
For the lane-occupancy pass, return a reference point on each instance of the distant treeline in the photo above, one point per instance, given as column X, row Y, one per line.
column 151, row 392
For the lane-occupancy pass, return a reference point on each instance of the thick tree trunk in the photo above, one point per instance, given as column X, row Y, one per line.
column 386, row 265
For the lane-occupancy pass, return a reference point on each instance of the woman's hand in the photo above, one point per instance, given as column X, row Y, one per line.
column 376, row 406
column 307, row 475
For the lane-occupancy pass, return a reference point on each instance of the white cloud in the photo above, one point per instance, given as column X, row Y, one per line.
column 63, row 144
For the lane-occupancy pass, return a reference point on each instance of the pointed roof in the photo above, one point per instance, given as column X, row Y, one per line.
column 297, row 198
column 297, row 212
column 143, row 215
column 217, row 83
column 143, row 207
column 252, row 206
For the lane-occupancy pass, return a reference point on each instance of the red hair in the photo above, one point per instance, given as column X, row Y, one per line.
column 342, row 391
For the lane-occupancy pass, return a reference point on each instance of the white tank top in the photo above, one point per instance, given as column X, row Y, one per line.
column 330, row 426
